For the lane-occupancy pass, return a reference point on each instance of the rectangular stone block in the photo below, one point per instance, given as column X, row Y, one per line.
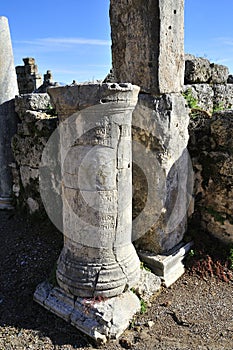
column 169, row 266
column 101, row 319
column 148, row 43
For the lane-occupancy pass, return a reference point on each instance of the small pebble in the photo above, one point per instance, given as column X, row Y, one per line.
column 150, row 324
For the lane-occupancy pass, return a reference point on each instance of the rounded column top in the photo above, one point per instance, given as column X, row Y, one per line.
column 4, row 20
column 8, row 79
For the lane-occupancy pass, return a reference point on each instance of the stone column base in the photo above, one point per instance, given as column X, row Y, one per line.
column 6, row 204
column 168, row 266
column 100, row 319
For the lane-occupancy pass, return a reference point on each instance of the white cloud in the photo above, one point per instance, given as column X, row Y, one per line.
column 225, row 41
column 64, row 42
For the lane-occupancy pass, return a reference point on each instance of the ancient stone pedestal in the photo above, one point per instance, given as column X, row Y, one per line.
column 98, row 259
column 8, row 90
column 162, row 172
column 148, row 43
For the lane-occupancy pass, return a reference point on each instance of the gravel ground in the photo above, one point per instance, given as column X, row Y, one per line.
column 195, row 313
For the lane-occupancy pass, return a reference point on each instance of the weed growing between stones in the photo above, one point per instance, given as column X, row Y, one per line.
column 143, row 266
column 192, row 101
column 230, row 257
column 143, row 303
column 209, row 256
column 143, row 306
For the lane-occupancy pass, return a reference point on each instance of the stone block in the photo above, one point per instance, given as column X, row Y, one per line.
column 100, row 318
column 219, row 74
column 197, row 70
column 169, row 266
column 223, row 96
column 32, row 102
column 147, row 44
column 8, row 118
column 148, row 285
column 211, row 149
column 162, row 189
column 203, row 94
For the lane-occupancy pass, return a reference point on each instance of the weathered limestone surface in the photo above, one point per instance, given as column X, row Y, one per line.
column 223, row 96
column 98, row 257
column 147, row 43
column 8, row 120
column 35, row 126
column 200, row 70
column 102, row 319
column 211, row 149
column 32, row 102
column 211, row 97
column 170, row 266
column 162, row 177
column 98, row 260
column 203, row 94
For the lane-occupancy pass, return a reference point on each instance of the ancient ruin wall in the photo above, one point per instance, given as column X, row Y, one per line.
column 37, row 123
column 209, row 92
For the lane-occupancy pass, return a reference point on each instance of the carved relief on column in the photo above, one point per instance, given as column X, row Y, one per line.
column 98, row 257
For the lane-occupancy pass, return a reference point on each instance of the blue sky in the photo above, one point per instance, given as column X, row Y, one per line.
column 72, row 38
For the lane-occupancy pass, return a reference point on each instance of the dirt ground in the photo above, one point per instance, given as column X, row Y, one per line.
column 195, row 313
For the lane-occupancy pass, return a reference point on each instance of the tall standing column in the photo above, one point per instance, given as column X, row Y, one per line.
column 148, row 43
column 8, row 90
column 98, row 258
column 148, row 50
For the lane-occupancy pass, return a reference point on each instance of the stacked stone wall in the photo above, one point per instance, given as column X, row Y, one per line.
column 210, row 144
column 212, row 159
column 36, row 124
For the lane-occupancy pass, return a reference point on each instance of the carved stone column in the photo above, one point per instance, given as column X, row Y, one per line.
column 98, row 264
column 8, row 90
column 98, row 257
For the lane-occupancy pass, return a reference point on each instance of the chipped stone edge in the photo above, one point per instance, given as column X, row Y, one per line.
column 101, row 320
column 169, row 266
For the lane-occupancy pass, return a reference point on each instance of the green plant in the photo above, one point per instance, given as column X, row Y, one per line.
column 191, row 253
column 191, row 100
column 219, row 107
column 142, row 266
column 143, row 303
column 216, row 215
column 230, row 257
column 143, row 306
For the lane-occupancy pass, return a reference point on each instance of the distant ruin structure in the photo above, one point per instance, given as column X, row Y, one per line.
column 8, row 91
column 28, row 77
